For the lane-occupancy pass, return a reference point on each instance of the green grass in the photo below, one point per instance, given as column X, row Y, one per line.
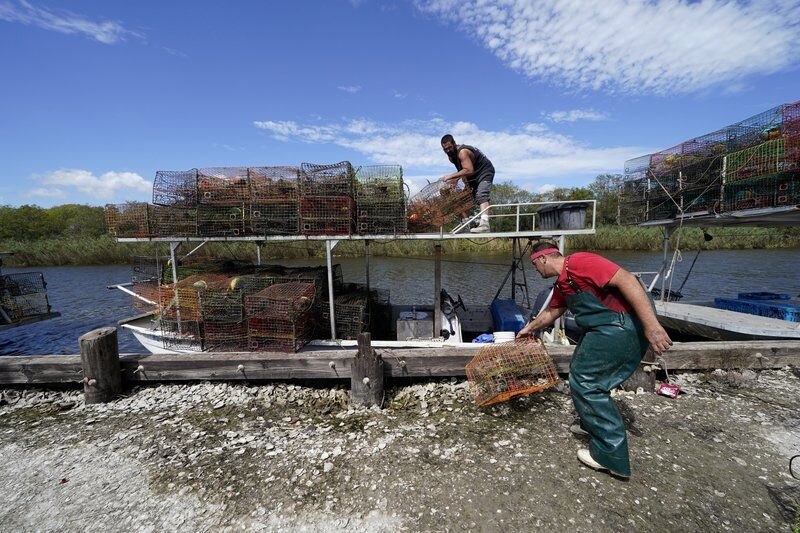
column 104, row 250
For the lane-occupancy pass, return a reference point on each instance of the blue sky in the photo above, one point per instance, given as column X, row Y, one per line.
column 95, row 96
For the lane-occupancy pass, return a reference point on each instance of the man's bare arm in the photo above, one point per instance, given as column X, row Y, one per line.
column 467, row 169
column 542, row 320
column 632, row 290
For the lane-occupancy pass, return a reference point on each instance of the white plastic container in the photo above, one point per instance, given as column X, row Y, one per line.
column 504, row 336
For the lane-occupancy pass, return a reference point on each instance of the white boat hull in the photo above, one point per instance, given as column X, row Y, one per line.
column 722, row 325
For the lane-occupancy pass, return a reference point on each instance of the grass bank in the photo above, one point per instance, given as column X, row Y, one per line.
column 104, row 250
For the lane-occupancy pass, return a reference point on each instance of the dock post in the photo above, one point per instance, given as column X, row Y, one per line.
column 102, row 379
column 437, row 290
column 366, row 374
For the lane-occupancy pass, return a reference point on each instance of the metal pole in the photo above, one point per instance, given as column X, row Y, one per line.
column 331, row 310
column 562, row 246
column 173, row 247
column 514, row 243
column 664, row 264
column 366, row 261
column 437, row 289
column 258, row 253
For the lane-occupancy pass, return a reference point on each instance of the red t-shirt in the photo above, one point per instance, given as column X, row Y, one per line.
column 590, row 272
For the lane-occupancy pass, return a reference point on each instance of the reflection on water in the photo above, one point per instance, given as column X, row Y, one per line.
column 80, row 294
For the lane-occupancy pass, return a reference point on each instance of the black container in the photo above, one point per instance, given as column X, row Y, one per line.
column 562, row 216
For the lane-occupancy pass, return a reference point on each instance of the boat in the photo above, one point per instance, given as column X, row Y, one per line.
column 746, row 174
column 456, row 324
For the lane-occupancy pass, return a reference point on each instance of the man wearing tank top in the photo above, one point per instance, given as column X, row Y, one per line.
column 475, row 170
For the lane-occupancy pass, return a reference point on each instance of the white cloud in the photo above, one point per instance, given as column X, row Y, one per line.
column 352, row 89
column 634, row 46
column 574, row 115
column 44, row 192
column 106, row 32
column 399, row 95
column 103, row 187
column 525, row 152
column 545, row 188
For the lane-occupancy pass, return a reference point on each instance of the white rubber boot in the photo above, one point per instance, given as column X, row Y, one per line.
column 586, row 458
column 483, row 227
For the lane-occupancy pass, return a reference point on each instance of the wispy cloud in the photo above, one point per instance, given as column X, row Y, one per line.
column 352, row 89
column 524, row 152
column 44, row 192
column 105, row 31
column 633, row 46
column 574, row 115
column 399, row 95
column 103, row 187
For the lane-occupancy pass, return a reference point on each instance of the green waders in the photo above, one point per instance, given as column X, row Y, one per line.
column 610, row 351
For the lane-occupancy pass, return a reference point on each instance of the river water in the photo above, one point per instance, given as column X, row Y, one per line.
column 80, row 294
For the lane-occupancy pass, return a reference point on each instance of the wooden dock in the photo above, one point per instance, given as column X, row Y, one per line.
column 336, row 363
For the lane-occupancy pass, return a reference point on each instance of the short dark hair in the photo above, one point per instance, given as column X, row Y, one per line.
column 448, row 138
column 544, row 245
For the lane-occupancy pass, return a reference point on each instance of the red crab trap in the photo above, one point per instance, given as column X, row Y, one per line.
column 438, row 204
column 222, row 186
column 273, row 183
column 501, row 371
column 326, row 215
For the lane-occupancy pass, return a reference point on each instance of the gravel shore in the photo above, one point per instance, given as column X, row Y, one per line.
column 209, row 457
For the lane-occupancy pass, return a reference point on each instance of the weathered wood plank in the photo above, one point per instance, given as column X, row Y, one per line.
column 410, row 362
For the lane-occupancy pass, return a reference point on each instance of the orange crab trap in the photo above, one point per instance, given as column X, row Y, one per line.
column 501, row 371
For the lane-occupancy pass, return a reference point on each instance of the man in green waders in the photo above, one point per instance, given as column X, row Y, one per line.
column 617, row 315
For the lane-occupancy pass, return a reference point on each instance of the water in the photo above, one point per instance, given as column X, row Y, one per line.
column 80, row 294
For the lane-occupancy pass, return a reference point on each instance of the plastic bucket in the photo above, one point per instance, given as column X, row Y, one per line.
column 504, row 336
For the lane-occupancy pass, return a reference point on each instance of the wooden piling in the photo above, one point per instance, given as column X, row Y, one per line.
column 366, row 374
column 102, row 379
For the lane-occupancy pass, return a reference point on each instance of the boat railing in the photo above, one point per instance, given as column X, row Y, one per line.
column 524, row 215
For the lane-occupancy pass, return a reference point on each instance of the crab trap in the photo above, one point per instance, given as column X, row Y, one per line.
column 275, row 217
column 379, row 182
column 501, row 371
column 326, row 215
column 223, row 186
column 222, row 221
column 181, row 334
column 438, row 204
column 131, row 219
column 225, row 336
column 175, row 188
column 778, row 190
column 766, row 158
column 381, row 217
column 273, row 183
column 326, row 180
column 23, row 295
column 174, row 221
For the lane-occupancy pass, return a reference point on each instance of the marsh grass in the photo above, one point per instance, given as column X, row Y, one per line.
column 104, row 250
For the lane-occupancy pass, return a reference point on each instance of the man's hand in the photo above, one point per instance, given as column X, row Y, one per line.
column 658, row 338
column 525, row 332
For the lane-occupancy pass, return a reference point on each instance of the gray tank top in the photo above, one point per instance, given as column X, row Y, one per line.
column 480, row 163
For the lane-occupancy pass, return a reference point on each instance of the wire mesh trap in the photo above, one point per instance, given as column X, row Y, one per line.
column 438, row 204
column 380, row 217
column 326, row 180
column 326, row 215
column 181, row 334
column 23, row 295
column 173, row 221
column 222, row 186
column 499, row 372
column 175, row 188
column 273, row 183
column 379, row 182
column 291, row 299
column 131, row 219
column 275, row 217
column 225, row 336
column 758, row 193
column 222, row 221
